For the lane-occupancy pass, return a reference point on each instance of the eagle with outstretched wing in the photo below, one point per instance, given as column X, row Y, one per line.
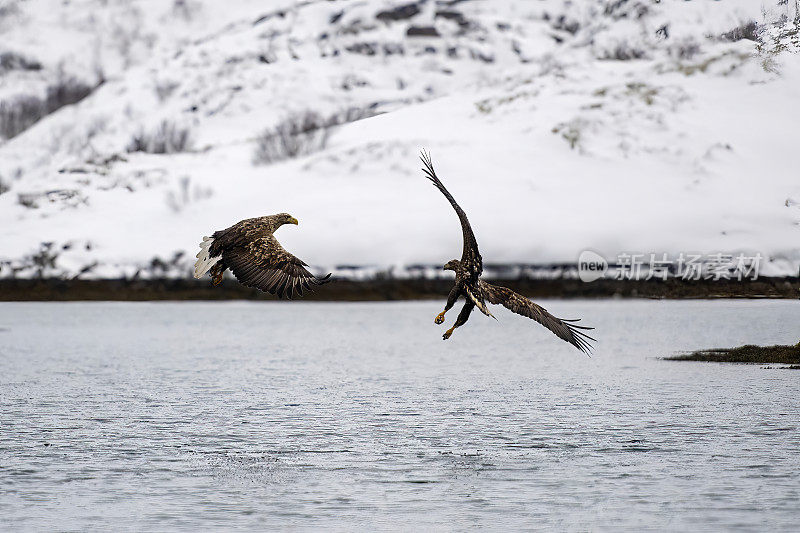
column 477, row 292
column 251, row 251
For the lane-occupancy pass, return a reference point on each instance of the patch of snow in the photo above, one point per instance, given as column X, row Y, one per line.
column 620, row 127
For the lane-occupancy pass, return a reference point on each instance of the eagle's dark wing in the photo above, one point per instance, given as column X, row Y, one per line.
column 263, row 264
column 522, row 306
column 471, row 257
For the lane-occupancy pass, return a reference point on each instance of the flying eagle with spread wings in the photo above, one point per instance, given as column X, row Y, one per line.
column 477, row 292
column 256, row 258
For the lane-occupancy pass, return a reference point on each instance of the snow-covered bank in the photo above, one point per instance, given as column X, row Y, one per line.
column 615, row 126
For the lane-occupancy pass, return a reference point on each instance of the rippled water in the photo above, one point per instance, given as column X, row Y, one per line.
column 148, row 416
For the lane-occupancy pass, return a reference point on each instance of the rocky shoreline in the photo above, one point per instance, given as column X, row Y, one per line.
column 389, row 289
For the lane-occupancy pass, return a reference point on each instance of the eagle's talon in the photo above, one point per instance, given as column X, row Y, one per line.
column 439, row 318
column 216, row 276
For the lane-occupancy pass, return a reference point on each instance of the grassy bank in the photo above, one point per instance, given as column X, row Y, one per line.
column 781, row 354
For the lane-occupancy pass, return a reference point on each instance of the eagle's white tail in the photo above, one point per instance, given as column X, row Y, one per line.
column 204, row 260
column 480, row 304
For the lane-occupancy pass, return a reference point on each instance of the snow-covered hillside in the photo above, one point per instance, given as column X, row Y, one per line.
column 610, row 125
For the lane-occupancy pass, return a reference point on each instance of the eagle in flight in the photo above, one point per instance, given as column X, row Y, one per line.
column 255, row 257
column 477, row 292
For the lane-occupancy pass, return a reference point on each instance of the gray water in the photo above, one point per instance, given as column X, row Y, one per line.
column 163, row 416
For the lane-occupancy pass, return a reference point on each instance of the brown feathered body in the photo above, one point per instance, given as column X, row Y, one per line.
column 251, row 251
column 477, row 292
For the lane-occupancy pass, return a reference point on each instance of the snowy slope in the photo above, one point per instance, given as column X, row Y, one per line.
column 616, row 126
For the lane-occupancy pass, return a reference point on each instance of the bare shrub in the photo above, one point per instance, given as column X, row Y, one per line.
column 22, row 112
column 66, row 91
column 19, row 114
column 168, row 138
column 165, row 267
column 620, row 9
column 572, row 132
column 186, row 194
column 684, row 49
column 4, row 187
column 562, row 23
column 303, row 133
column 45, row 259
column 299, row 134
column 352, row 114
column 15, row 61
column 746, row 30
column 66, row 197
column 623, row 51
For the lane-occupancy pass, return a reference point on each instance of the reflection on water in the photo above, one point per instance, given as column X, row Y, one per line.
column 262, row 415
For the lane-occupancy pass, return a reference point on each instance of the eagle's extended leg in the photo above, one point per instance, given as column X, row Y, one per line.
column 216, row 273
column 463, row 316
column 451, row 301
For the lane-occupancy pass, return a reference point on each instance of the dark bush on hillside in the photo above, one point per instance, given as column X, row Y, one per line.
column 19, row 114
column 747, row 30
column 167, row 138
column 624, row 52
column 620, row 9
column 14, row 61
column 299, row 134
column 66, row 91
column 303, row 133
column 22, row 112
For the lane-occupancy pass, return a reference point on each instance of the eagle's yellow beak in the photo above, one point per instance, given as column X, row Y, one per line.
column 293, row 221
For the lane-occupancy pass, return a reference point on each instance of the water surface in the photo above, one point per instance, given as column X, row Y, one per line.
column 163, row 416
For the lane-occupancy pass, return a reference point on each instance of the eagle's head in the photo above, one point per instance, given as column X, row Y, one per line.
column 285, row 218
column 453, row 264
